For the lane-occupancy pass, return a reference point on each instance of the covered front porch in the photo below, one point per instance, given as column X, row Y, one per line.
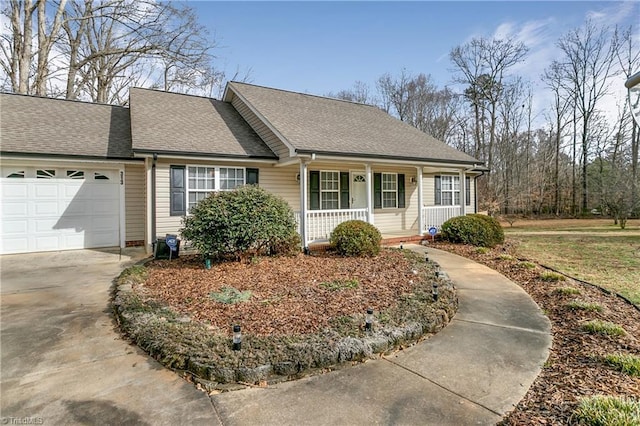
column 320, row 223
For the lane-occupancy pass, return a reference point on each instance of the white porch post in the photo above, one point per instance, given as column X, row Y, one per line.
column 369, row 193
column 303, row 203
column 463, row 192
column 420, row 201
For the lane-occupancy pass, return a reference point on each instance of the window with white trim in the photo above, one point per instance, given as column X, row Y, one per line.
column 329, row 190
column 450, row 190
column 389, row 190
column 230, row 178
column 201, row 183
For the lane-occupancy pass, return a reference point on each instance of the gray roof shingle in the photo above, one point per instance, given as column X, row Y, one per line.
column 170, row 122
column 324, row 125
column 36, row 125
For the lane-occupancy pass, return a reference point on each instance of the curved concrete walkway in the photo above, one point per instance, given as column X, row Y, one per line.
column 63, row 362
column 472, row 372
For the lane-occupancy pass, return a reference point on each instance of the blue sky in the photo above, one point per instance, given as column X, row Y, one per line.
column 321, row 47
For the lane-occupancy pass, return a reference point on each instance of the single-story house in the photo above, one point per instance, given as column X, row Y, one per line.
column 81, row 175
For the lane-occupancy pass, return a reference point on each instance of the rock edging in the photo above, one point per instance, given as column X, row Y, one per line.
column 185, row 345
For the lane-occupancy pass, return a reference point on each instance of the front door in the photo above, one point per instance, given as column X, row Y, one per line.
column 358, row 190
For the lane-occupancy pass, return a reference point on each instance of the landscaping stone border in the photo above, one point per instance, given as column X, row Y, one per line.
column 188, row 346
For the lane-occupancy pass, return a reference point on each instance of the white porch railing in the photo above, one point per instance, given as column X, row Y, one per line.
column 437, row 215
column 320, row 223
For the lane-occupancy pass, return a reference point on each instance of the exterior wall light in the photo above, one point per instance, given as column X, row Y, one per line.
column 237, row 338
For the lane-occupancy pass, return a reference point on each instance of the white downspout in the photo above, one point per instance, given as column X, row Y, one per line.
column 420, row 201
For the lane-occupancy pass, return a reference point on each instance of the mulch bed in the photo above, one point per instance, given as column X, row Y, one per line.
column 290, row 295
column 299, row 315
column 575, row 368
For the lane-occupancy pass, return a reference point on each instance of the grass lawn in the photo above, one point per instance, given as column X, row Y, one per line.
column 592, row 250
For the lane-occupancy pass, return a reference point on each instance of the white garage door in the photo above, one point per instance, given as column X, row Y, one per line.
column 54, row 208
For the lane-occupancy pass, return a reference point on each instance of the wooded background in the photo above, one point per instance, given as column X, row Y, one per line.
column 576, row 156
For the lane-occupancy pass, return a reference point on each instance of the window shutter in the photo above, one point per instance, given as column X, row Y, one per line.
column 314, row 190
column 467, row 191
column 177, row 191
column 252, row 177
column 344, row 190
column 438, row 200
column 377, row 190
column 401, row 191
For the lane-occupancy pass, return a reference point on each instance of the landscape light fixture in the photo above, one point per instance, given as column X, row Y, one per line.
column 633, row 86
column 237, row 338
column 434, row 292
column 368, row 321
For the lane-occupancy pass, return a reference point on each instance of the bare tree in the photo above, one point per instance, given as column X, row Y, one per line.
column 102, row 47
column 587, row 65
column 482, row 64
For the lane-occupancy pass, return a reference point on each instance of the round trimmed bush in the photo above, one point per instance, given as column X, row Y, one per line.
column 356, row 238
column 475, row 229
column 242, row 222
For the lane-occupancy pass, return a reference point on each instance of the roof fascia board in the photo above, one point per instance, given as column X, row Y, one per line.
column 292, row 150
column 199, row 156
column 67, row 157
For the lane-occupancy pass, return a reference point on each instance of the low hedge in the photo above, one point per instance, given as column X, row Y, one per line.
column 475, row 229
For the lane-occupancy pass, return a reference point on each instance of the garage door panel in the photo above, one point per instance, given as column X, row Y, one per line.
column 17, row 208
column 46, row 190
column 15, row 191
column 46, row 243
column 59, row 213
column 14, row 245
column 45, row 208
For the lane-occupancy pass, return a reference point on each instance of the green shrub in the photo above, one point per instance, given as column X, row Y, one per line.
column 528, row 265
column 242, row 222
column 551, row 276
column 497, row 234
column 337, row 285
column 603, row 327
column 627, row 363
column 566, row 291
column 579, row 305
column 475, row 229
column 600, row 410
column 356, row 238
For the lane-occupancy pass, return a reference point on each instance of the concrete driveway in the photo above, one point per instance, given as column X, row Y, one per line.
column 62, row 359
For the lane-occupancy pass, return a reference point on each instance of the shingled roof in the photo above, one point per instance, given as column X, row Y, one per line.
column 45, row 126
column 314, row 124
column 191, row 125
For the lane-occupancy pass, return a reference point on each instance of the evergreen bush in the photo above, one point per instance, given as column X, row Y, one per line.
column 475, row 229
column 241, row 223
column 356, row 238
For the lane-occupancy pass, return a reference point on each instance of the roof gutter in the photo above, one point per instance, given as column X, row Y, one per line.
column 368, row 158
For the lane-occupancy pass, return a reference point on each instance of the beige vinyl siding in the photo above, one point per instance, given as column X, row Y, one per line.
column 278, row 180
column 399, row 221
column 134, row 199
column 282, row 181
column 272, row 141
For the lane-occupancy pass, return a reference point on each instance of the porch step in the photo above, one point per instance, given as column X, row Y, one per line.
column 392, row 241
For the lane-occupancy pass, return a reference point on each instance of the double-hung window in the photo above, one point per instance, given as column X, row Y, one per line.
column 389, row 190
column 203, row 180
column 448, row 190
column 329, row 190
